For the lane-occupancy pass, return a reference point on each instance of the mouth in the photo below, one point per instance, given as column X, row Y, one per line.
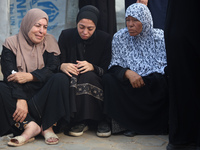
column 39, row 37
column 131, row 31
column 84, row 37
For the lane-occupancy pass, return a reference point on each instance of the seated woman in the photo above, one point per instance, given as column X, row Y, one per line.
column 135, row 89
column 85, row 56
column 30, row 96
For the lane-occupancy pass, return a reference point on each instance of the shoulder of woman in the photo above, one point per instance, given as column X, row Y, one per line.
column 10, row 42
column 103, row 35
column 68, row 32
column 121, row 34
column 50, row 38
column 158, row 34
column 52, row 44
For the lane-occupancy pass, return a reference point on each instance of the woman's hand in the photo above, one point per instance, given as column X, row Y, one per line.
column 20, row 77
column 69, row 68
column 145, row 2
column 135, row 79
column 84, row 66
column 21, row 110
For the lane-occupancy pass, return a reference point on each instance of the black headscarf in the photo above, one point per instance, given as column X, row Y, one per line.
column 88, row 12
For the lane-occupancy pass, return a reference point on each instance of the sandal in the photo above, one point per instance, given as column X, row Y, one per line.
column 20, row 141
column 50, row 135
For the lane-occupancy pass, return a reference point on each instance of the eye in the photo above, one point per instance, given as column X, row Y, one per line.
column 45, row 26
column 81, row 27
column 127, row 19
column 37, row 25
column 90, row 29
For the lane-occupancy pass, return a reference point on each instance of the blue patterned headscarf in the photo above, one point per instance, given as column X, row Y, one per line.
column 144, row 53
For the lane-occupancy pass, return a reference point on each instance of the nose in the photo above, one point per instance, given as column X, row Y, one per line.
column 41, row 29
column 130, row 24
column 85, row 31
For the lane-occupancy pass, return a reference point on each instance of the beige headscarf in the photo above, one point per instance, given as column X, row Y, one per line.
column 29, row 56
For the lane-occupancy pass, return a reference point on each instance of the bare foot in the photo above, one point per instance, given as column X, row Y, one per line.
column 31, row 130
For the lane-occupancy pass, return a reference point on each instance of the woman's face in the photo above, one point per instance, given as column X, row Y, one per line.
column 38, row 31
column 134, row 26
column 86, row 28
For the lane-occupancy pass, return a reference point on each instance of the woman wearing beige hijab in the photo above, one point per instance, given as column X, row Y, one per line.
column 30, row 95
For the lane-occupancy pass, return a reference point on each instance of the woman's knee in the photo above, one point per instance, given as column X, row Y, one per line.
column 61, row 77
column 89, row 76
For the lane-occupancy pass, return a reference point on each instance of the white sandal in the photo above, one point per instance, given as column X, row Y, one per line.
column 21, row 141
column 49, row 135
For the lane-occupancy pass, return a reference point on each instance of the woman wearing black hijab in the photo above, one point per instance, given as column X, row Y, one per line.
column 85, row 56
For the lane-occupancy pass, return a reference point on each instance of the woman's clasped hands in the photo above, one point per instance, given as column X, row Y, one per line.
column 76, row 69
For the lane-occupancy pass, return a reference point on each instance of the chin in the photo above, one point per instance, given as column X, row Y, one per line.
column 85, row 38
column 37, row 41
column 132, row 34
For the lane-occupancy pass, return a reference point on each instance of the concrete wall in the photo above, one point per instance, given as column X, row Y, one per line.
column 62, row 13
column 120, row 13
column 4, row 21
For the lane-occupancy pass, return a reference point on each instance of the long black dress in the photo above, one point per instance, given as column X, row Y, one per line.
column 86, row 91
column 142, row 110
column 46, row 98
column 183, row 56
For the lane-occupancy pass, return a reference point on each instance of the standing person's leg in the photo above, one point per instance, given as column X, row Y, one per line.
column 183, row 56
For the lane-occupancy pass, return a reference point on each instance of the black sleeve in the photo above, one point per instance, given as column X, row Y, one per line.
column 63, row 49
column 106, row 58
column 98, row 70
column 8, row 63
column 118, row 72
column 51, row 66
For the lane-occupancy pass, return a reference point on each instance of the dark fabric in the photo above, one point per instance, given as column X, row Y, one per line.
column 85, row 89
column 183, row 56
column 143, row 110
column 87, row 98
column 8, row 63
column 158, row 10
column 107, row 20
column 88, row 12
column 51, row 103
column 96, row 50
column 44, row 98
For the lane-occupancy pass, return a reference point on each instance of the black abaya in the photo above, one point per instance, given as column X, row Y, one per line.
column 86, row 92
column 47, row 99
column 183, row 56
column 142, row 110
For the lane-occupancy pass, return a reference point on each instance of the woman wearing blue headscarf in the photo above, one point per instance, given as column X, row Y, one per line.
column 136, row 86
